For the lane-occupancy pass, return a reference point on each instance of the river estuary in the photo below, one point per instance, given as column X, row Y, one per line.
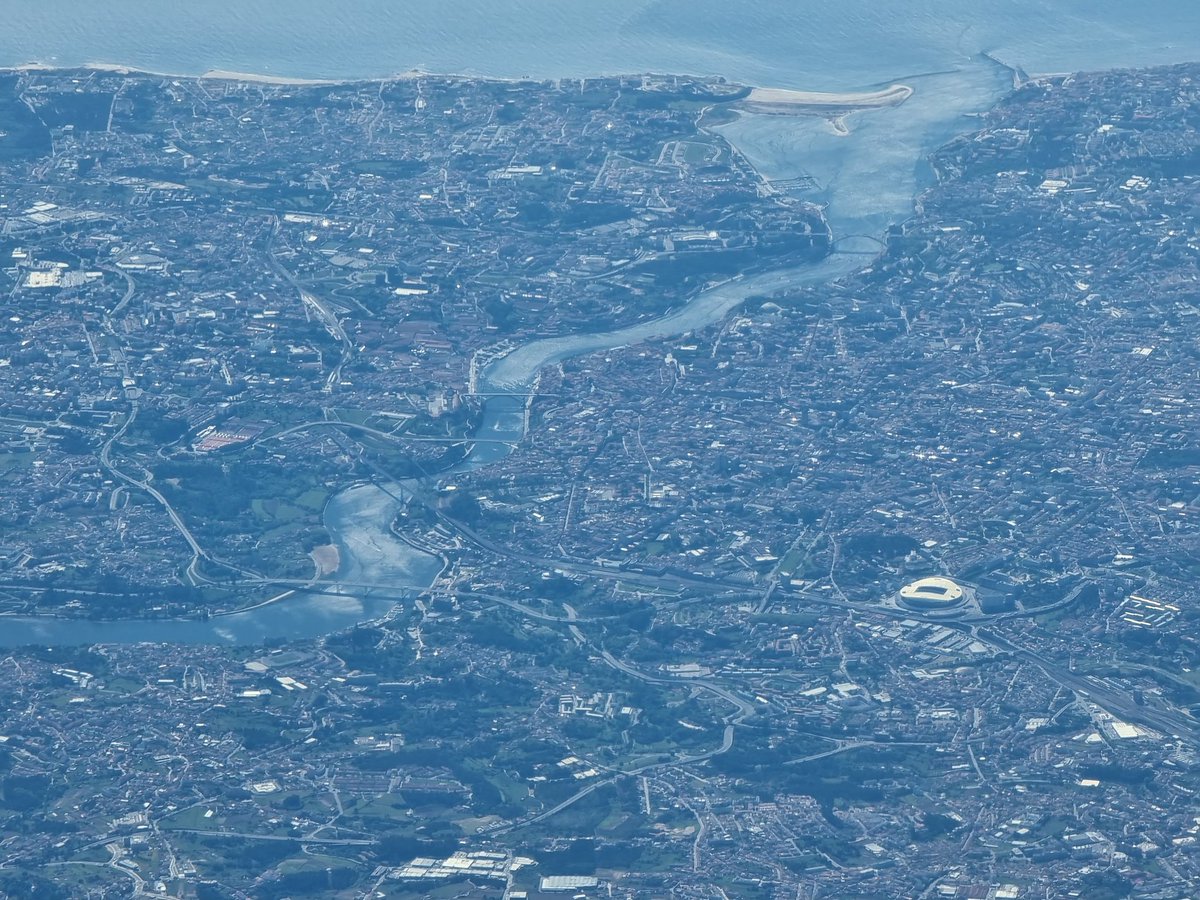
column 867, row 179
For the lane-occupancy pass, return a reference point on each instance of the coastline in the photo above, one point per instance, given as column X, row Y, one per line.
column 224, row 75
column 210, row 75
column 787, row 99
column 266, row 78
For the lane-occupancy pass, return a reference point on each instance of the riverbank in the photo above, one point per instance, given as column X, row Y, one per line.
column 867, row 179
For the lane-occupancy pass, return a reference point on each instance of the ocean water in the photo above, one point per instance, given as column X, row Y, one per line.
column 816, row 44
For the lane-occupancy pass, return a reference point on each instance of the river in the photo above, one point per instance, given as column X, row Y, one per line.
column 867, row 178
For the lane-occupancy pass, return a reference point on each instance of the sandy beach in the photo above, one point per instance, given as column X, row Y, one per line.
column 212, row 74
column 249, row 77
column 777, row 101
column 327, row 559
column 223, row 75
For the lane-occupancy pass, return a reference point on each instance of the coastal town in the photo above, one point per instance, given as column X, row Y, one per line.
column 879, row 587
column 211, row 324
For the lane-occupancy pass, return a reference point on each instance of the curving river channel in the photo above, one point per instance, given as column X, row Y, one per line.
column 867, row 178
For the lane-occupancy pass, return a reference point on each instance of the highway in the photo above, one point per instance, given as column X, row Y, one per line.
column 386, row 435
column 251, row 836
column 726, row 744
column 1114, row 701
column 745, row 707
column 744, row 710
column 318, row 306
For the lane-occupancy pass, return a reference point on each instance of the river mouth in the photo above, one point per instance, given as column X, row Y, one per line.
column 867, row 174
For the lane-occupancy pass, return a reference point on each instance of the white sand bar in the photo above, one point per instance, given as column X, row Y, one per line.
column 784, row 102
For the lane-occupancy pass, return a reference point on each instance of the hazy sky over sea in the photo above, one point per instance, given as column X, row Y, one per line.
column 813, row 43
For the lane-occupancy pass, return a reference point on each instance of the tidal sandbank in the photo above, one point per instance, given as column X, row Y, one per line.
column 781, row 102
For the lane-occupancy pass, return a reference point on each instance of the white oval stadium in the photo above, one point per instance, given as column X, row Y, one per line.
column 934, row 592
